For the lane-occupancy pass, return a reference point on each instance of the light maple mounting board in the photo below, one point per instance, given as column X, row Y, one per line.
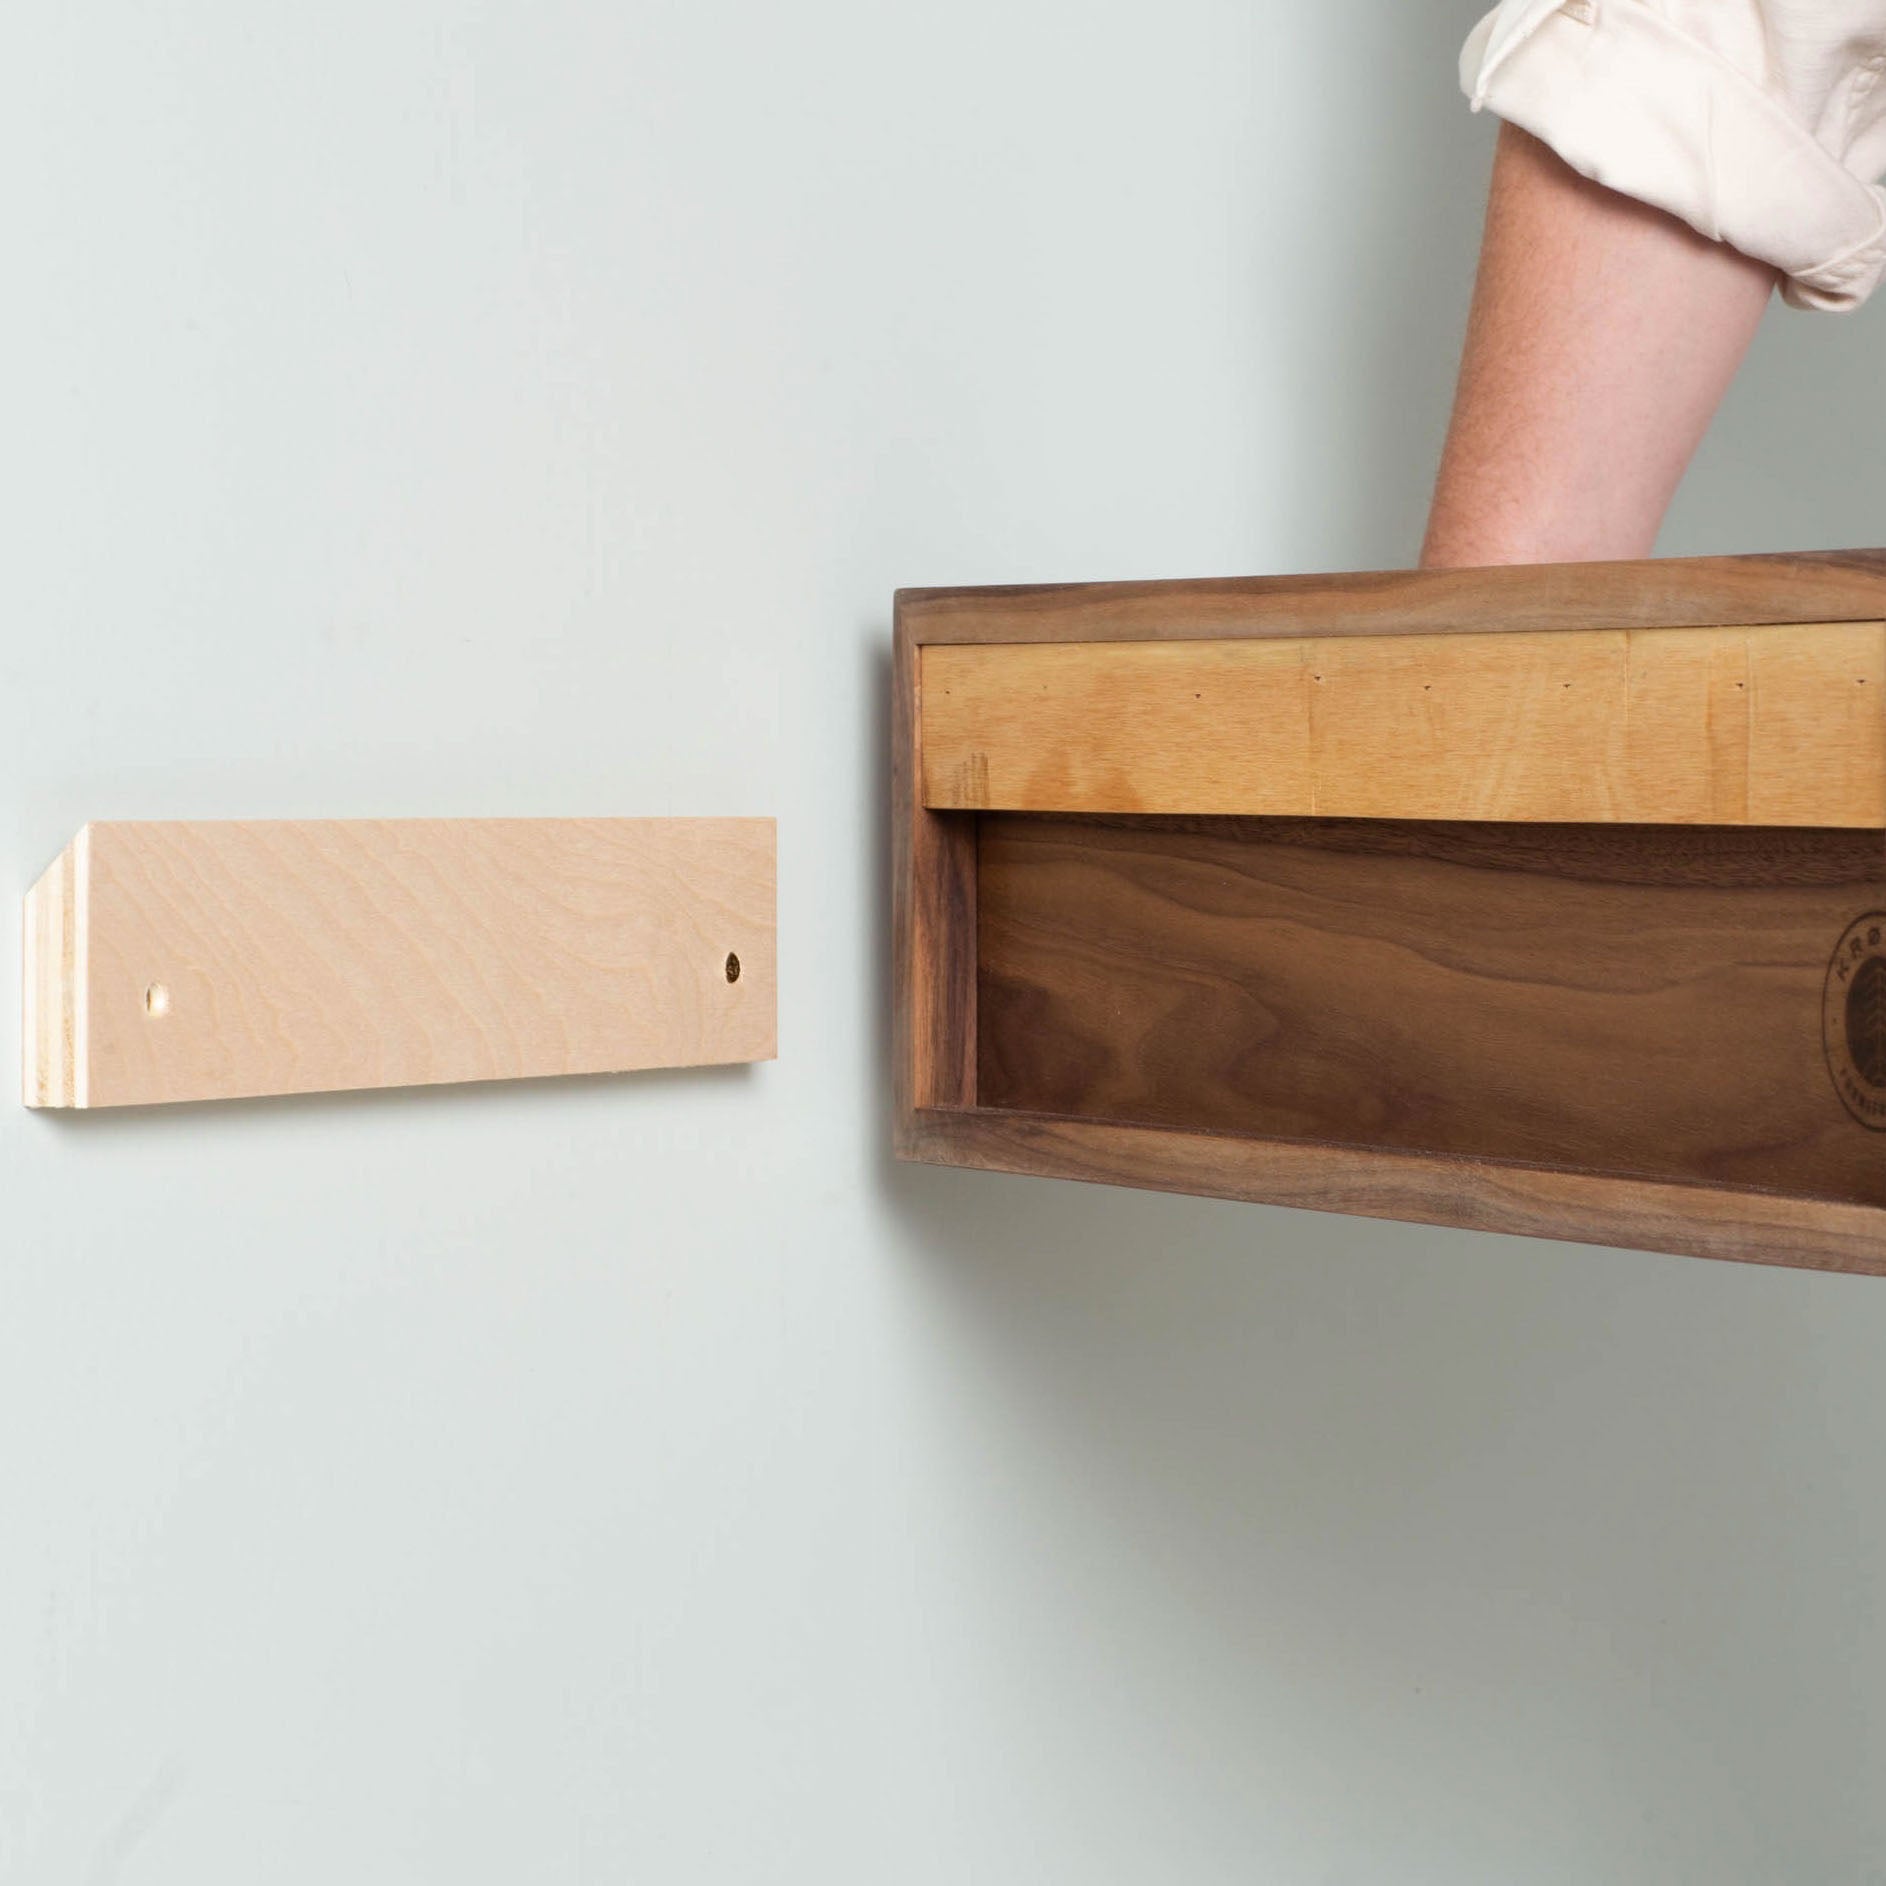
column 1547, row 900
column 168, row 961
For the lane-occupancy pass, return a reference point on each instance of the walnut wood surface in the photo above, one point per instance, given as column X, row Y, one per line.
column 1757, row 726
column 1623, row 999
column 933, row 919
column 944, row 1048
column 1750, row 1227
column 1824, row 586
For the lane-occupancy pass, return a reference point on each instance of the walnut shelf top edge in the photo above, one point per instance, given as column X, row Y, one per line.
column 1823, row 586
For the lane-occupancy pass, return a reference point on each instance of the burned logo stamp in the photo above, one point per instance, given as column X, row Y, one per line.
column 1853, row 1019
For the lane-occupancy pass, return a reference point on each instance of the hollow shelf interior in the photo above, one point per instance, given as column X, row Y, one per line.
column 1662, row 1001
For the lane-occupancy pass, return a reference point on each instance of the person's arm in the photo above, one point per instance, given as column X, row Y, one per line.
column 1602, row 335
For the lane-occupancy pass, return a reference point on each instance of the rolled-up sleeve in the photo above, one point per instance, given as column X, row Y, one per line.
column 1761, row 123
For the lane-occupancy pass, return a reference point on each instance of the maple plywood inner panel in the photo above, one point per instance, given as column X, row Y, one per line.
column 1651, row 1000
column 207, row 960
column 1773, row 725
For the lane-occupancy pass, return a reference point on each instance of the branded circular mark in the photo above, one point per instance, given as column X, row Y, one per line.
column 1853, row 1019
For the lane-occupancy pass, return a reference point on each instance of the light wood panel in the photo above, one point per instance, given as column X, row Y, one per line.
column 49, row 977
column 1765, row 725
column 193, row 961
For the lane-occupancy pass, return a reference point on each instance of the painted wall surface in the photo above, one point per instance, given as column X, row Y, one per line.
column 449, row 408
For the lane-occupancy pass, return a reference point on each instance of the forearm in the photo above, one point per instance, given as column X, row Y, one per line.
column 1603, row 334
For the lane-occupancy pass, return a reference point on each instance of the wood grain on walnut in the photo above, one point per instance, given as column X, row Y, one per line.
column 1744, row 1226
column 1656, row 592
column 1632, row 1000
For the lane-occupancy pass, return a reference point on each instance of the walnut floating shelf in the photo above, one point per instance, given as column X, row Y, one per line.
column 171, row 961
column 1544, row 900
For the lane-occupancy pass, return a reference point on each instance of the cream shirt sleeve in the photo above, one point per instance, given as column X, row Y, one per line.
column 1761, row 123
